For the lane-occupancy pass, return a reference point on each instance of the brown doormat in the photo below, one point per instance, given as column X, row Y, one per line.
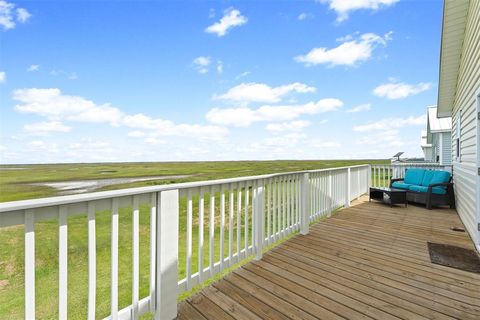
column 454, row 257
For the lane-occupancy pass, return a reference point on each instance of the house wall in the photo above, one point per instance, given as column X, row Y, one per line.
column 468, row 85
column 427, row 153
column 446, row 148
column 435, row 147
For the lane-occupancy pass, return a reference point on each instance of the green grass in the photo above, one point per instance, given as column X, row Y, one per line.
column 14, row 186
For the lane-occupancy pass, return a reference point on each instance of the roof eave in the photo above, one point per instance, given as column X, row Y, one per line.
column 451, row 61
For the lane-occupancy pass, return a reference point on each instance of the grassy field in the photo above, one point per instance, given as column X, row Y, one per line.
column 14, row 185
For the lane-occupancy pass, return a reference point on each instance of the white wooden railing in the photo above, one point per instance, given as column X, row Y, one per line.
column 244, row 216
column 382, row 174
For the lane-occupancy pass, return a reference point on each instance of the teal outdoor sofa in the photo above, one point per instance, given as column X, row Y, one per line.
column 430, row 187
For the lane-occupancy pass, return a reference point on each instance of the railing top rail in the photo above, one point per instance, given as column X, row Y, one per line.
column 92, row 196
column 406, row 165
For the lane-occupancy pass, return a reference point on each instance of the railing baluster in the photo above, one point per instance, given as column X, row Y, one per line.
column 246, row 219
column 325, row 193
column 297, row 201
column 279, row 208
column 239, row 219
column 288, row 209
column 200, row 235
column 274, row 210
column 315, row 210
column 230, row 226
column 189, row 238
column 29, row 264
column 295, row 205
column 292, row 192
column 222, row 224
column 211, row 230
column 153, row 248
column 62, row 262
column 284, row 206
column 253, row 216
column 292, row 203
column 92, row 261
column 269, row 187
column 135, row 256
column 114, row 263
column 384, row 176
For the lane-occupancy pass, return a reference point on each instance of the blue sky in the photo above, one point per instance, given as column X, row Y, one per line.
column 91, row 81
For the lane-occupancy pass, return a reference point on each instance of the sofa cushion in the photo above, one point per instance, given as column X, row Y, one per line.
column 436, row 190
column 400, row 185
column 440, row 177
column 414, row 176
column 427, row 177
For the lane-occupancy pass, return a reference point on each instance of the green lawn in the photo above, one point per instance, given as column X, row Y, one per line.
column 14, row 186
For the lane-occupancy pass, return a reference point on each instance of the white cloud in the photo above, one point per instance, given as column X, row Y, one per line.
column 297, row 125
column 52, row 104
column 219, row 66
column 201, row 64
column 9, row 16
column 33, row 68
column 360, row 108
column 399, row 90
column 344, row 7
column 3, row 76
column 260, row 92
column 243, row 74
column 304, row 16
column 136, row 134
column 37, row 144
column 55, row 106
column 287, row 140
column 23, row 15
column 350, row 52
column 392, row 123
column 45, row 127
column 69, row 75
column 326, row 144
column 231, row 18
column 390, row 137
column 244, row 117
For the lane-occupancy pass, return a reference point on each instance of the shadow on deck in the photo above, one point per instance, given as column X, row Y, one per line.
column 367, row 261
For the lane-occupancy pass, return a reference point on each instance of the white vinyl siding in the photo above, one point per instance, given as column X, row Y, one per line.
column 468, row 84
column 446, row 148
column 435, row 148
column 442, row 148
column 428, row 154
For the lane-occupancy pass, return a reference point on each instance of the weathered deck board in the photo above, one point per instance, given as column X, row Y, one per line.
column 369, row 261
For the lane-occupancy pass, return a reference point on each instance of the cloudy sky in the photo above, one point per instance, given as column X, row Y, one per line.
column 215, row 80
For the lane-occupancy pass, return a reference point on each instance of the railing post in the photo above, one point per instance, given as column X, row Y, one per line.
column 167, row 255
column 29, row 264
column 347, row 198
column 259, row 202
column 305, row 204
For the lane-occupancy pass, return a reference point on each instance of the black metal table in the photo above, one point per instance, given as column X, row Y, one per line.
column 389, row 195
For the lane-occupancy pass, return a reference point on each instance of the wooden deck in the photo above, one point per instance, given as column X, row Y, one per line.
column 367, row 261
